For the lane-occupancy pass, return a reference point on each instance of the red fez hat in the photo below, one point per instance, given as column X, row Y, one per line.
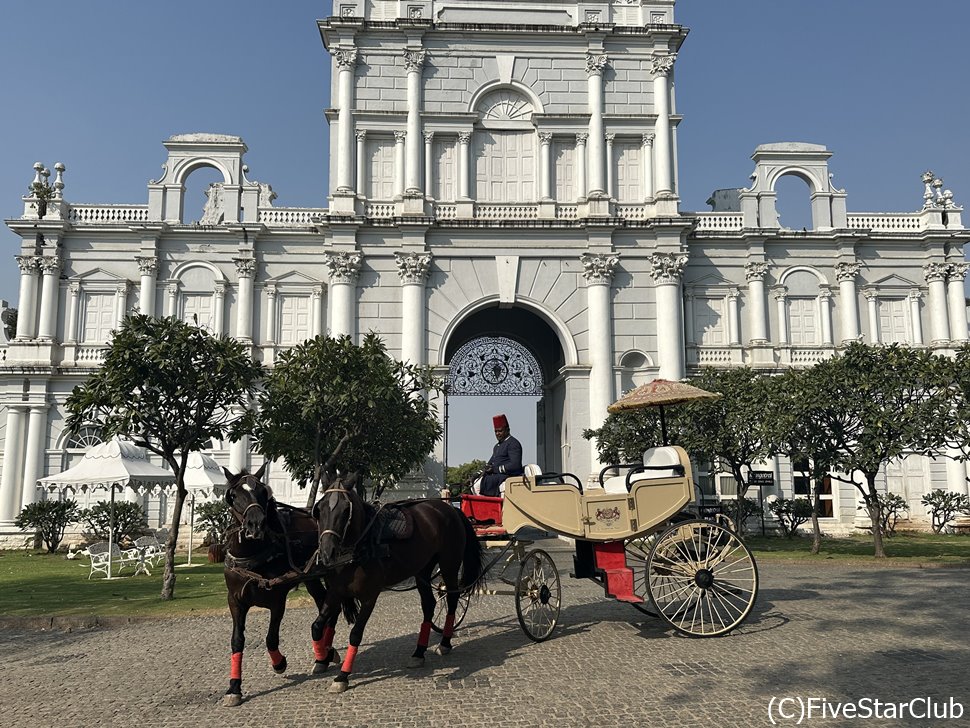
column 499, row 422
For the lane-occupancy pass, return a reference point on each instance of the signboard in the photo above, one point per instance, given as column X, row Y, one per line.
column 761, row 478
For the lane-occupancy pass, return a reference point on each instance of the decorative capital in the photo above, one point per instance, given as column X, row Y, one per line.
column 344, row 267
column 958, row 271
column 847, row 271
column 346, row 59
column 245, row 267
column 74, row 287
column 271, row 290
column 780, row 293
column 609, row 137
column 870, row 294
column 413, row 267
column 414, row 60
column 219, row 288
column 755, row 271
column 172, row 289
column 428, row 137
column 464, row 137
column 915, row 295
column 595, row 64
column 935, row 272
column 49, row 264
column 733, row 293
column 400, row 136
column 545, row 137
column 147, row 265
column 648, row 139
column 582, row 138
column 598, row 268
column 667, row 267
column 28, row 263
column 663, row 65
column 361, row 134
column 824, row 293
column 122, row 289
column 316, row 293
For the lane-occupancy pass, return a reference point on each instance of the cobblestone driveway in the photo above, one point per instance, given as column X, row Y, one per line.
column 824, row 631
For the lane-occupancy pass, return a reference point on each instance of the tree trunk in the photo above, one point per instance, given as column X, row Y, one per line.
column 816, row 531
column 875, row 515
column 168, row 577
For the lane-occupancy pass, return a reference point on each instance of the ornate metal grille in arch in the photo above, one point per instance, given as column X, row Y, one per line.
column 489, row 365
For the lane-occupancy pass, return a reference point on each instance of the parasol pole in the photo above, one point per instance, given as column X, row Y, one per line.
column 663, row 425
column 111, row 528
column 191, row 527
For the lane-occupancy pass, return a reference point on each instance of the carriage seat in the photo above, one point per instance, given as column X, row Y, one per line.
column 658, row 462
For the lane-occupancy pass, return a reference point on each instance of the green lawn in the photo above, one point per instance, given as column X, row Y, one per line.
column 917, row 549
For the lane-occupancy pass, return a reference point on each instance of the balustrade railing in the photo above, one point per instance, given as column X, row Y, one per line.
column 379, row 210
column 886, row 223
column 507, row 211
column 446, row 212
column 713, row 222
column 99, row 214
column 289, row 215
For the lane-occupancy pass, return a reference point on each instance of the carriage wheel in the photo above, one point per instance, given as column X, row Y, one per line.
column 538, row 595
column 637, row 551
column 701, row 578
column 441, row 603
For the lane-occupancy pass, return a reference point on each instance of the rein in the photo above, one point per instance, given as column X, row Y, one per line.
column 350, row 550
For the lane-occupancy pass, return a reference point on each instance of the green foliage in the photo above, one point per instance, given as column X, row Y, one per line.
column 944, row 506
column 330, row 405
column 749, row 508
column 460, row 477
column 171, row 388
column 130, row 520
column 215, row 517
column 50, row 518
column 791, row 513
column 891, row 507
column 624, row 436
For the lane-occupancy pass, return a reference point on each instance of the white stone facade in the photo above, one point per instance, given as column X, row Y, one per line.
column 514, row 179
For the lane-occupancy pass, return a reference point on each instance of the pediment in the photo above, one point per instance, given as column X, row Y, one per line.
column 97, row 275
column 295, row 277
column 894, row 281
column 710, row 280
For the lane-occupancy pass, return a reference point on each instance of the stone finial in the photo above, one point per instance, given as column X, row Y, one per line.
column 935, row 272
column 245, row 267
column 598, row 268
column 413, row 267
column 596, row 64
column 414, row 60
column 755, row 271
column 343, row 267
column 846, row 271
column 667, row 267
column 59, row 181
column 663, row 65
column 346, row 58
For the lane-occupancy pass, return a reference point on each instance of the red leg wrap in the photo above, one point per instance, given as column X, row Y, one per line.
column 449, row 627
column 275, row 656
column 320, row 650
column 425, row 634
column 235, row 670
column 348, row 665
column 328, row 633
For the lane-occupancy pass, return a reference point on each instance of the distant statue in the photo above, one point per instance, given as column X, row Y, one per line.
column 214, row 211
column 266, row 195
column 8, row 323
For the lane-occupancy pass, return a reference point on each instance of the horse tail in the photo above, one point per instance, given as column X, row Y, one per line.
column 351, row 609
column 472, row 561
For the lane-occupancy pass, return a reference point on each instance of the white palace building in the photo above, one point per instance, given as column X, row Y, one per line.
column 504, row 207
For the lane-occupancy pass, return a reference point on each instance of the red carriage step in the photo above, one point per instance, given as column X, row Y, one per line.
column 617, row 576
column 482, row 510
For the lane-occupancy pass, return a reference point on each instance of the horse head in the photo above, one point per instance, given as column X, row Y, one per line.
column 250, row 501
column 339, row 515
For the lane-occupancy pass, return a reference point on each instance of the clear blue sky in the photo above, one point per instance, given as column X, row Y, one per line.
column 98, row 85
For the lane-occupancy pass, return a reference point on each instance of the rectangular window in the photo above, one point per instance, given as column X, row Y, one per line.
column 894, row 321
column 197, row 309
column 564, row 154
column 99, row 318
column 380, row 168
column 728, row 486
column 504, row 166
column 445, row 172
column 709, row 321
column 801, row 480
column 802, row 488
column 629, row 171
column 802, row 317
column 294, row 312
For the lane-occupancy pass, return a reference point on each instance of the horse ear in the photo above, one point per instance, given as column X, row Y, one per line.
column 259, row 473
column 348, row 481
column 230, row 476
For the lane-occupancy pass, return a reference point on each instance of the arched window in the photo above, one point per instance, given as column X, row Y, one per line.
column 86, row 437
column 505, row 148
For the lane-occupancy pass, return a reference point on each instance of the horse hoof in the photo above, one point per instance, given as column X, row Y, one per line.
column 231, row 700
column 444, row 649
column 281, row 667
column 320, row 667
column 416, row 661
column 338, row 687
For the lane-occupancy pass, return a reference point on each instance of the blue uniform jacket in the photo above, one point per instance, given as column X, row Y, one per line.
column 506, row 460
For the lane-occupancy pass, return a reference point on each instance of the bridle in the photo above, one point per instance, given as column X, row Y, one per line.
column 350, row 503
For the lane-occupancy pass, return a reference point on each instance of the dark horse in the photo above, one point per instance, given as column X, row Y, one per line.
column 362, row 556
column 269, row 553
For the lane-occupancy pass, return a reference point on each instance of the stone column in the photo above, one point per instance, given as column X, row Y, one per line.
column 361, row 176
column 690, row 335
column 413, row 268
column 610, row 172
column 595, row 64
column 50, row 266
column 219, row 306
column 239, row 450
column 662, row 67
column 464, row 164
column 825, row 314
column 781, row 311
column 667, row 270
column 73, row 309
column 598, row 270
column 148, row 268
column 316, row 302
column 271, row 314
column 846, row 273
column 545, row 168
column 246, row 270
column 428, row 162
column 914, row 316
column 27, row 304
column 755, row 273
column 956, row 472
column 11, row 481
column 647, row 152
column 872, row 308
column 414, row 62
column 939, row 322
column 399, row 160
column 734, row 317
column 121, row 303
column 171, row 299
column 34, row 453
column 581, row 164
column 957, row 299
column 344, row 270
column 346, row 62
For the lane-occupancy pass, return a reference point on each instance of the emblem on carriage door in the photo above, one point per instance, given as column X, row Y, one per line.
column 607, row 516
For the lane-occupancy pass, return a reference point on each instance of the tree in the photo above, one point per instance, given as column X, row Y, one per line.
column 463, row 474
column 624, row 436
column 944, row 506
column 332, row 407
column 791, row 513
column 871, row 405
column 169, row 387
column 954, row 412
column 129, row 520
column 216, row 518
column 49, row 518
